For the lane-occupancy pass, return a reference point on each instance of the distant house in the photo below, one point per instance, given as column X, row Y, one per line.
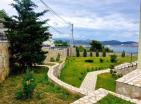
column 49, row 43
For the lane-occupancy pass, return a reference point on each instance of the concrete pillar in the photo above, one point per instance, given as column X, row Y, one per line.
column 139, row 44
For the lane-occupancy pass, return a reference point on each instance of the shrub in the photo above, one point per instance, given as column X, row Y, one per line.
column 91, row 54
column 58, row 57
column 77, row 52
column 111, row 66
column 85, row 53
column 113, row 58
column 97, row 54
column 101, row 60
column 52, row 59
column 28, row 85
column 89, row 61
column 123, row 54
column 104, row 53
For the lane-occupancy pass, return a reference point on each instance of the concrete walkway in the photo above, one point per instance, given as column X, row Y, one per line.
column 89, row 82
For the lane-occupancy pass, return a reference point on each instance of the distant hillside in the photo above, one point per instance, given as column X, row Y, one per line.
column 115, row 42
column 110, row 42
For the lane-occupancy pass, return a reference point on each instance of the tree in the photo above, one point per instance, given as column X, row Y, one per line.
column 97, row 54
column 113, row 58
column 123, row 54
column 77, row 52
column 26, row 34
column 61, row 43
column 91, row 54
column 104, row 53
column 2, row 14
column 96, row 46
column 85, row 53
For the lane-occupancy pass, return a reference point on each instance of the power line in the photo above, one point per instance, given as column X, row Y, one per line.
column 51, row 10
column 55, row 29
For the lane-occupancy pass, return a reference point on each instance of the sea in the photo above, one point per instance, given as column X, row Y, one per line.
column 121, row 48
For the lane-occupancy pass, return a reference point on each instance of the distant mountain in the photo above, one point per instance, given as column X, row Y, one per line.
column 110, row 42
column 115, row 42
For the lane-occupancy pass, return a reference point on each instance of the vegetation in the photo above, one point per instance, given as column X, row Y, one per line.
column 97, row 53
column 59, row 43
column 98, row 46
column 77, row 52
column 58, row 57
column 110, row 99
column 26, row 33
column 2, row 14
column 91, row 54
column 76, row 68
column 123, row 54
column 44, row 93
column 28, row 86
column 113, row 58
column 109, row 82
column 104, row 53
column 85, row 53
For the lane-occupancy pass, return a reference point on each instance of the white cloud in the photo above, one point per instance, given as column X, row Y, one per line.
column 114, row 22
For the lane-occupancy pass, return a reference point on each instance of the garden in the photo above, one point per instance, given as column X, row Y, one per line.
column 76, row 68
column 44, row 93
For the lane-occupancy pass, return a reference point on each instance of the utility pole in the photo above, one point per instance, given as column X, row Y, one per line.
column 139, row 45
column 72, row 32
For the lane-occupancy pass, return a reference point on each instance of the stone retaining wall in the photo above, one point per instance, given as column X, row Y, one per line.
column 88, row 97
column 54, row 73
column 125, row 68
column 4, row 60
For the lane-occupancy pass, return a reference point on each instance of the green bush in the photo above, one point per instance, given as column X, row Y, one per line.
column 89, row 61
column 101, row 60
column 97, row 54
column 85, row 53
column 91, row 54
column 123, row 54
column 104, row 53
column 28, row 86
column 113, row 58
column 111, row 66
column 52, row 59
column 58, row 57
column 77, row 52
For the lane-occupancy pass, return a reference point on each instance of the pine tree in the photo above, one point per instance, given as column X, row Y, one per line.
column 26, row 33
column 123, row 54
column 77, row 52
column 97, row 53
column 91, row 54
column 104, row 53
column 85, row 53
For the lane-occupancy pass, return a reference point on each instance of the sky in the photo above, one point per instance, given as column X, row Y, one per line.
column 92, row 19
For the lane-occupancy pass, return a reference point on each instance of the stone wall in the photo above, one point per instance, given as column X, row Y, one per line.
column 4, row 60
column 52, row 53
column 125, row 68
column 88, row 97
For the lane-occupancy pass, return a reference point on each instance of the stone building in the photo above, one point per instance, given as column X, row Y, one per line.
column 4, row 55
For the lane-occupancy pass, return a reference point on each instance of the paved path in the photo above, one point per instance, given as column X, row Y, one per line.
column 89, row 82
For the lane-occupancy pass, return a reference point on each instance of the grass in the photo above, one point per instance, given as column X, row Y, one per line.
column 45, row 92
column 106, row 81
column 76, row 68
column 110, row 99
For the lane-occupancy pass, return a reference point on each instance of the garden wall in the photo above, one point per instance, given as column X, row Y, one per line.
column 52, row 53
column 54, row 73
column 4, row 60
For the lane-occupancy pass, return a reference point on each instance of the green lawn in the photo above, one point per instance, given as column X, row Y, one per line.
column 106, row 81
column 45, row 92
column 76, row 68
column 110, row 99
